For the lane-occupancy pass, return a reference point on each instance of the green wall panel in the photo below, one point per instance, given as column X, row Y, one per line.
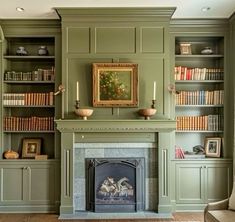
column 80, row 69
column 78, row 40
column 152, row 40
column 115, row 40
column 93, row 36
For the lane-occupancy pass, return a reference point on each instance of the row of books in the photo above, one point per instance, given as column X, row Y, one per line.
column 37, row 75
column 28, row 99
column 200, row 123
column 179, row 153
column 201, row 97
column 186, row 73
column 33, row 123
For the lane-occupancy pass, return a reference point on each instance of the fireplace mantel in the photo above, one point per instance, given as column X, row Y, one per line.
column 159, row 131
column 156, row 125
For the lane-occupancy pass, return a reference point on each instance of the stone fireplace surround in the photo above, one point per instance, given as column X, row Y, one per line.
column 97, row 137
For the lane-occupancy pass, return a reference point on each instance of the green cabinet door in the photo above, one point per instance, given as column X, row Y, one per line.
column 12, row 184
column 218, row 182
column 189, row 183
column 198, row 182
column 28, row 186
column 41, row 182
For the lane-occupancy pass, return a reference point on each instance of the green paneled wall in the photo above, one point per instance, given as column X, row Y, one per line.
column 97, row 36
column 152, row 40
column 115, row 40
column 78, row 40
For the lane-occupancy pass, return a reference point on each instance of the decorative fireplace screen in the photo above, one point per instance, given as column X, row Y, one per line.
column 115, row 185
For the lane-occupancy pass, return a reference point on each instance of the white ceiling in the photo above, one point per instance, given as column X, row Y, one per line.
column 44, row 9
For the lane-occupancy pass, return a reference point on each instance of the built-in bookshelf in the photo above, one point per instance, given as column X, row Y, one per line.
column 28, row 94
column 199, row 98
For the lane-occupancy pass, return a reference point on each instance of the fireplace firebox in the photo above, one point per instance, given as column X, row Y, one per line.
column 115, row 184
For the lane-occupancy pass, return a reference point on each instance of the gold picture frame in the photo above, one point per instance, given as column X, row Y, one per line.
column 31, row 147
column 213, row 146
column 115, row 85
column 185, row 48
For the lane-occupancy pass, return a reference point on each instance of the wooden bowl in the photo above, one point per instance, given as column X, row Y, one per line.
column 147, row 113
column 84, row 113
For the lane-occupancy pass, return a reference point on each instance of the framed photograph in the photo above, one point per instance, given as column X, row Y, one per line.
column 213, row 146
column 115, row 84
column 185, row 49
column 31, row 147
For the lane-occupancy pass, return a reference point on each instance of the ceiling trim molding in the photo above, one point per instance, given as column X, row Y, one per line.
column 199, row 25
column 198, row 22
column 68, row 14
column 26, row 27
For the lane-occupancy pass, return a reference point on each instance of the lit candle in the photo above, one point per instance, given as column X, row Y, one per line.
column 77, row 90
column 154, row 90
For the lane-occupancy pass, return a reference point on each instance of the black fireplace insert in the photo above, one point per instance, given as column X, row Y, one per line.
column 115, row 184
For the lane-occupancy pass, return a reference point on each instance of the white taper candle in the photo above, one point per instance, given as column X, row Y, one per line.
column 154, row 90
column 77, row 90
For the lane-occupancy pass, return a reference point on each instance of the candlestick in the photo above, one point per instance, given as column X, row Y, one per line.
column 77, row 104
column 154, row 90
column 153, row 104
column 77, row 98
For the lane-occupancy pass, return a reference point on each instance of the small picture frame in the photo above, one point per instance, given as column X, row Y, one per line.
column 31, row 147
column 213, row 146
column 185, row 48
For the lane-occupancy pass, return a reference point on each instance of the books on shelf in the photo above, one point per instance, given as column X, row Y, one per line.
column 37, row 75
column 28, row 99
column 179, row 153
column 200, row 97
column 34, row 123
column 187, row 73
column 200, row 123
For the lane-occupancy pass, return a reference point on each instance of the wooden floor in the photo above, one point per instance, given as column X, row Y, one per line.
column 185, row 217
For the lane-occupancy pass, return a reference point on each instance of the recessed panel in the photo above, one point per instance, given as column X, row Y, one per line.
column 41, row 189
column 152, row 40
column 115, row 40
column 12, row 184
column 217, row 184
column 78, row 40
column 189, row 184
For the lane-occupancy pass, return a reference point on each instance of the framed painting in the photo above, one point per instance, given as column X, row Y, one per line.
column 115, row 85
column 31, row 147
column 213, row 146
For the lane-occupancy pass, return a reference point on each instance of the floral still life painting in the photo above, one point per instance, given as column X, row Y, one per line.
column 115, row 84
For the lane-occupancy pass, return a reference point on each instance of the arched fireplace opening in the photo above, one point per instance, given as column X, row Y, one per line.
column 115, row 184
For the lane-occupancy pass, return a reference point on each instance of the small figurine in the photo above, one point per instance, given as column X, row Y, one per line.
column 42, row 50
column 21, row 51
column 207, row 51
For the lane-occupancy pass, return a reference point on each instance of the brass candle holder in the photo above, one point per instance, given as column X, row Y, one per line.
column 153, row 103
column 148, row 112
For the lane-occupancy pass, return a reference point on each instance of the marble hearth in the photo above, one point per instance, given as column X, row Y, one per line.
column 150, row 140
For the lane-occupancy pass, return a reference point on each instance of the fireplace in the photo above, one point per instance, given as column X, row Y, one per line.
column 115, row 184
column 82, row 140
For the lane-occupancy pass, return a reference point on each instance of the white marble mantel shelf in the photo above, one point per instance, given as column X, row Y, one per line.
column 156, row 125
